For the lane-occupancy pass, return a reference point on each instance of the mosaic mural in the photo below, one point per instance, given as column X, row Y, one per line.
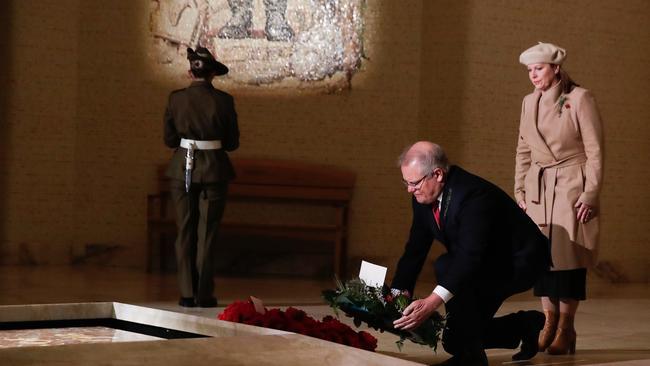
column 315, row 44
column 61, row 336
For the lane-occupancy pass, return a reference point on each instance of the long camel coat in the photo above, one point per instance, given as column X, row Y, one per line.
column 559, row 162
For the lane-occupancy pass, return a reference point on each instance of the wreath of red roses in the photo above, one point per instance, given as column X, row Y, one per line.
column 297, row 321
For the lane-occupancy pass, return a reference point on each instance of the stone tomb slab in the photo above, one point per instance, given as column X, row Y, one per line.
column 124, row 334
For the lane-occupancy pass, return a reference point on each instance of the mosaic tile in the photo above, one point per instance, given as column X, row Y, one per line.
column 61, row 336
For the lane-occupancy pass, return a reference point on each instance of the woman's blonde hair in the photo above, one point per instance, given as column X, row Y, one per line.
column 566, row 83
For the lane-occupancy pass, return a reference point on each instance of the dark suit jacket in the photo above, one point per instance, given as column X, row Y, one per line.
column 488, row 238
column 201, row 112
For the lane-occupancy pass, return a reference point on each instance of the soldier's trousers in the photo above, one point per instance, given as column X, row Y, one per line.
column 198, row 216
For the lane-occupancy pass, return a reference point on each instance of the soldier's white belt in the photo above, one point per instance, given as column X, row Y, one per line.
column 201, row 144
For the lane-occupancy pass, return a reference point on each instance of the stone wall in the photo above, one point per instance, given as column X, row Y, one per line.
column 82, row 110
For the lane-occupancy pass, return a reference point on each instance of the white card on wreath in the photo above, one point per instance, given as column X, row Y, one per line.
column 372, row 274
column 258, row 304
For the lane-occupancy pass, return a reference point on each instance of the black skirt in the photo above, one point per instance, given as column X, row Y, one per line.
column 569, row 284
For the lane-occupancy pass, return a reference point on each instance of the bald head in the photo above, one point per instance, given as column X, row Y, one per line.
column 426, row 155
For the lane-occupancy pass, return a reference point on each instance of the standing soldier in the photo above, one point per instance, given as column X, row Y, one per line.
column 201, row 124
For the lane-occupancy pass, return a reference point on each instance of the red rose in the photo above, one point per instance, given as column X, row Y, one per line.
column 275, row 319
column 333, row 337
column 295, row 314
column 353, row 340
column 567, row 106
column 297, row 321
column 297, row 328
column 238, row 311
column 258, row 321
column 368, row 341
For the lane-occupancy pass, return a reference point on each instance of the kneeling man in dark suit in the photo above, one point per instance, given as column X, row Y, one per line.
column 493, row 248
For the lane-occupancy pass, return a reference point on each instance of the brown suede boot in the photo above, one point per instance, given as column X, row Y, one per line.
column 565, row 337
column 548, row 333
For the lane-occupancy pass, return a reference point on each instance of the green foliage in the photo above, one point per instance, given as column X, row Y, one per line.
column 378, row 307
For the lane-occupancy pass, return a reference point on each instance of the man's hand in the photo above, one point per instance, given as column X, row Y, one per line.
column 417, row 312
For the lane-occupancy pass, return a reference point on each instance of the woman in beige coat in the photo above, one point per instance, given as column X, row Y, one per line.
column 558, row 175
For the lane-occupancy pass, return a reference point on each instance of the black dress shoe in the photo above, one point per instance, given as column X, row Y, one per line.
column 187, row 302
column 533, row 322
column 210, row 302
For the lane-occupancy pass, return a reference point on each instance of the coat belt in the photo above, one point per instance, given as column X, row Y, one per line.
column 537, row 170
column 201, row 144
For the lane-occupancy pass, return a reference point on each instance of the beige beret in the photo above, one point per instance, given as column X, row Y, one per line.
column 543, row 53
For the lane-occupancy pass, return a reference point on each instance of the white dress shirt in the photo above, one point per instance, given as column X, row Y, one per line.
column 444, row 294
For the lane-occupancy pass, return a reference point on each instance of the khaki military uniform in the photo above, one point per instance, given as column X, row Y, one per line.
column 199, row 112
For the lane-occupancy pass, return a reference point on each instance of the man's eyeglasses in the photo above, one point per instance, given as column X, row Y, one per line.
column 417, row 184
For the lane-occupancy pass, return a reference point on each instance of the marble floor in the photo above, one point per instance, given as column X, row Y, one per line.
column 613, row 325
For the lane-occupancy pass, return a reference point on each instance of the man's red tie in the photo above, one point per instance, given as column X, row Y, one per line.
column 436, row 214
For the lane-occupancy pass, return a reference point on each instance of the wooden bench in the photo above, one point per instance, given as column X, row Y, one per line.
column 267, row 181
